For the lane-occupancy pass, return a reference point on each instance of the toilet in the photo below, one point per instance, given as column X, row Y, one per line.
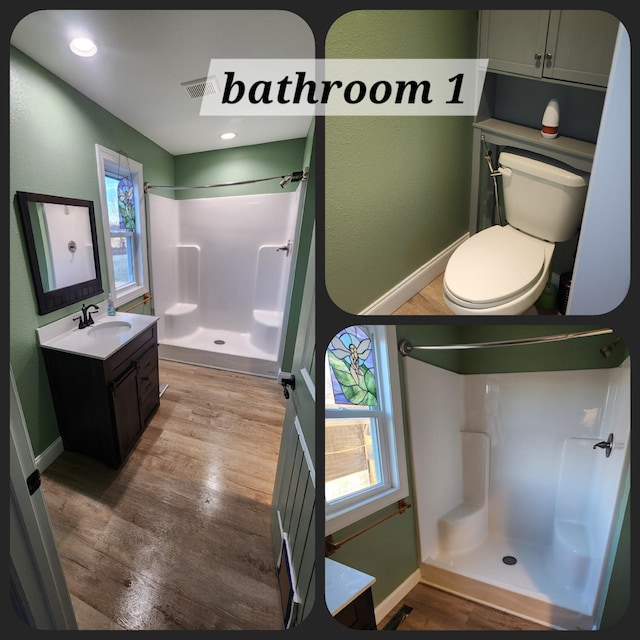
column 502, row 270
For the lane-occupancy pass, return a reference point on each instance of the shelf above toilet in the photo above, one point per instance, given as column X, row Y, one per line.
column 578, row 153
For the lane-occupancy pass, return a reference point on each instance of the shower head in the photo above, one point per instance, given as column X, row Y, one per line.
column 606, row 351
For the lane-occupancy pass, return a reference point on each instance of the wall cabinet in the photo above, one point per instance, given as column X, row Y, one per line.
column 566, row 45
column 103, row 406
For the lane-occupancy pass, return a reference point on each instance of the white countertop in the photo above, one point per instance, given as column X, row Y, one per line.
column 64, row 334
column 343, row 585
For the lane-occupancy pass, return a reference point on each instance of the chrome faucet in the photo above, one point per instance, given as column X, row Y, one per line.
column 86, row 317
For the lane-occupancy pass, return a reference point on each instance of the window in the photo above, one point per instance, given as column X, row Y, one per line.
column 365, row 463
column 121, row 199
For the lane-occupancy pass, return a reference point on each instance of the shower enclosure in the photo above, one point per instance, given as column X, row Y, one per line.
column 221, row 271
column 518, row 495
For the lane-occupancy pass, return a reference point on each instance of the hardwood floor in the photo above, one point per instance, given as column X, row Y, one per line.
column 427, row 302
column 179, row 537
column 435, row 610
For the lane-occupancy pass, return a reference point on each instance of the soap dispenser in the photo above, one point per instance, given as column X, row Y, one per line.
column 111, row 310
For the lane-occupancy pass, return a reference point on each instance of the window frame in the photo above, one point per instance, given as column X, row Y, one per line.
column 108, row 162
column 391, row 438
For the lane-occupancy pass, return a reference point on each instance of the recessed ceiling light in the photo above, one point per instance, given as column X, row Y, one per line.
column 228, row 136
column 83, row 47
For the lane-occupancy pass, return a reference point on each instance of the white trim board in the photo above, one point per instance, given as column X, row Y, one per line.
column 396, row 596
column 414, row 283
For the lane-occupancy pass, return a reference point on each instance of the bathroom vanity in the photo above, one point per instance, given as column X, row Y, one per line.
column 104, row 383
column 348, row 596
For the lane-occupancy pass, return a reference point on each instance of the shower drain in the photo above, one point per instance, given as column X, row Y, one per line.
column 509, row 560
column 219, row 341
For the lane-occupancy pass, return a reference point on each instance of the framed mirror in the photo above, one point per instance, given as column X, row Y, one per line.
column 63, row 248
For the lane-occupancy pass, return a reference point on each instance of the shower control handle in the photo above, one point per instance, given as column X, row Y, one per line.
column 286, row 248
column 605, row 444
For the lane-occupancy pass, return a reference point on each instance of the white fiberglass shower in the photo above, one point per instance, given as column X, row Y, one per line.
column 518, row 497
column 221, row 270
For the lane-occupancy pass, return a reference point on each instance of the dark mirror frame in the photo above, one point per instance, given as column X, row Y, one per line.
column 49, row 301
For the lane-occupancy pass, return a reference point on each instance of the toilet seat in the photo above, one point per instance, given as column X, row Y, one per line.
column 494, row 266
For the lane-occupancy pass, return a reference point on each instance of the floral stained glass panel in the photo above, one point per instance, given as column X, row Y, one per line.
column 126, row 205
column 350, row 361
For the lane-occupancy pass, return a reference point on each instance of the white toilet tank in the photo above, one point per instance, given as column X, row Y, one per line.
column 542, row 196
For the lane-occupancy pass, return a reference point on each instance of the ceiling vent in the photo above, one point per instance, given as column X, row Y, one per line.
column 202, row 87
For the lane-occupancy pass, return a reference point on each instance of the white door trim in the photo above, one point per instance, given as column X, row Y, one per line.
column 38, row 587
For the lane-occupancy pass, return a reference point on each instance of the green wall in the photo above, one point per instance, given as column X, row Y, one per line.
column 389, row 550
column 53, row 132
column 566, row 355
column 397, row 188
column 239, row 164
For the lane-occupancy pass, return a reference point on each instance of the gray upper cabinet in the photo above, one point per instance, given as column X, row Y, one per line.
column 570, row 45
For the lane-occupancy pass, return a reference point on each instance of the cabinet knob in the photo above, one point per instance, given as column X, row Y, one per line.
column 548, row 56
column 537, row 56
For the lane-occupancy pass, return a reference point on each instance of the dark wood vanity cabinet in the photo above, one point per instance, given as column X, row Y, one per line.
column 103, row 406
column 359, row 613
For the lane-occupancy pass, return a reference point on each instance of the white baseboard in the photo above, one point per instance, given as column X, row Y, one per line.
column 395, row 598
column 49, row 454
column 414, row 283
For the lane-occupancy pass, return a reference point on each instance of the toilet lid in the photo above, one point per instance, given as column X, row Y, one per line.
column 493, row 265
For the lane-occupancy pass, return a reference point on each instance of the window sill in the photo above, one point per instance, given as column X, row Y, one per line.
column 129, row 295
column 341, row 519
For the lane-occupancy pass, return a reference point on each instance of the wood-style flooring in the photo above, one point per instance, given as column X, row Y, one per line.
column 436, row 610
column 179, row 537
column 427, row 302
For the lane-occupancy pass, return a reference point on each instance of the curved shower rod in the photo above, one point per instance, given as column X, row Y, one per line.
column 405, row 347
column 294, row 176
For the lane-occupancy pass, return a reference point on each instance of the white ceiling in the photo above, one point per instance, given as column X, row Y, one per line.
column 144, row 56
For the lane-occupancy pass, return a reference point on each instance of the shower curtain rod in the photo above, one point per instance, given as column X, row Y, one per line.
column 294, row 176
column 405, row 347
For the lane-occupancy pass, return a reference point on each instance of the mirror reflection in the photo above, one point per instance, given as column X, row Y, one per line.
column 61, row 240
column 62, row 237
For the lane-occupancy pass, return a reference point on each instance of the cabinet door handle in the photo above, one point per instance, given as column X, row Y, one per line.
column 116, row 383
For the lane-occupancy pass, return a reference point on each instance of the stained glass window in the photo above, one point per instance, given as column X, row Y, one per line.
column 122, row 224
column 351, row 363
column 126, row 205
column 364, row 468
column 123, row 219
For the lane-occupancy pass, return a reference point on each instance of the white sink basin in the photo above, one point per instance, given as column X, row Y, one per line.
column 100, row 340
column 109, row 329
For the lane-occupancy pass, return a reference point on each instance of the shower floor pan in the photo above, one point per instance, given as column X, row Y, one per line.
column 228, row 350
column 527, row 588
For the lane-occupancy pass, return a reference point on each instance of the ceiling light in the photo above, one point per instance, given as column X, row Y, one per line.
column 83, row 47
column 228, row 136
